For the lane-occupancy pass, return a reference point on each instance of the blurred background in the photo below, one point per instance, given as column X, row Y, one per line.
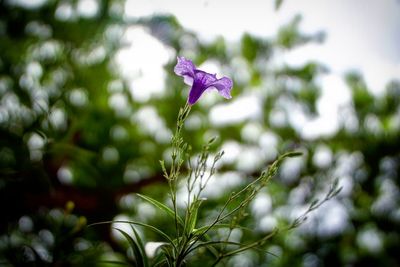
column 88, row 104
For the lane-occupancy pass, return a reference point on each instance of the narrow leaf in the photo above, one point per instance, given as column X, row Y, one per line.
column 162, row 207
column 136, row 250
column 154, row 229
column 192, row 220
column 292, row 154
column 141, row 247
column 162, row 262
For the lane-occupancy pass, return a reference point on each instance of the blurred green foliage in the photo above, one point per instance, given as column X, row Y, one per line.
column 61, row 140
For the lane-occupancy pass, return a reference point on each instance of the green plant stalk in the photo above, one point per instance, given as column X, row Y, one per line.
column 252, row 245
column 253, row 188
column 179, row 150
column 187, row 240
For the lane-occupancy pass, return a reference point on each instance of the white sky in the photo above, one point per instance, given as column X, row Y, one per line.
column 362, row 35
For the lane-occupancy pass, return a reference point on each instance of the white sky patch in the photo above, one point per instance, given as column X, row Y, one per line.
column 211, row 18
column 237, row 110
column 268, row 144
column 211, row 66
column 329, row 220
column 126, row 227
column 262, row 204
column 251, row 132
column 36, row 143
column 219, row 183
column 295, row 114
column 377, row 74
column 65, row 175
column 119, row 103
column 370, row 239
column 232, row 151
column 291, row 169
column 151, row 248
column 64, row 12
column 336, row 92
column 215, row 187
column 335, row 95
column 30, row 4
column 152, row 123
column 88, row 8
column 322, row 157
column 361, row 35
column 141, row 62
column 250, row 159
column 320, row 126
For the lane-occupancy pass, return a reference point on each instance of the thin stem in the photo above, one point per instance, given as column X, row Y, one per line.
column 179, row 150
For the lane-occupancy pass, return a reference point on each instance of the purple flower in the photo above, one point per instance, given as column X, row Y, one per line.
column 201, row 80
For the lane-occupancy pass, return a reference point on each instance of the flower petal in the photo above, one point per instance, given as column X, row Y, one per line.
column 196, row 91
column 202, row 81
column 188, row 80
column 185, row 67
column 224, row 87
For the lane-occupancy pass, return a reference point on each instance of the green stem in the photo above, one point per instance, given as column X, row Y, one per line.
column 178, row 154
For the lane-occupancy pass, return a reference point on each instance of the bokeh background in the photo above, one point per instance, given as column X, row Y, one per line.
column 88, row 104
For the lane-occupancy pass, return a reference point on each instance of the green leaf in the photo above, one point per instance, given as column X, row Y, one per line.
column 164, row 170
column 169, row 258
column 292, row 154
column 135, row 247
column 250, row 47
column 162, row 262
column 162, row 207
column 192, row 220
column 154, row 229
column 141, row 247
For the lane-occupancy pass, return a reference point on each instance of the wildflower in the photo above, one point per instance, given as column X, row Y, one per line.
column 201, row 80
